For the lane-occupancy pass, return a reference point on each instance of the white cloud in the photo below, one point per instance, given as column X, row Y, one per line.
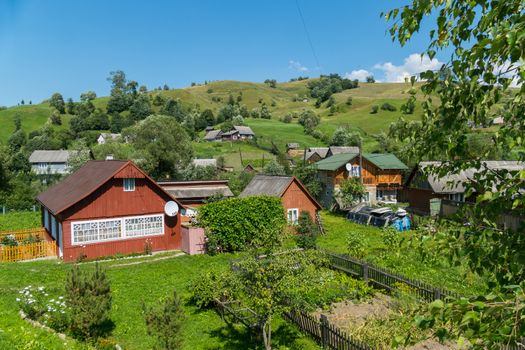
column 359, row 74
column 413, row 65
column 297, row 66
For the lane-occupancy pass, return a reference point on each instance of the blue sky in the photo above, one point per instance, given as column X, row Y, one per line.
column 71, row 46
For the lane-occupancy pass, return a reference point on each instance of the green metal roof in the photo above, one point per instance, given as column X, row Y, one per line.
column 336, row 161
column 385, row 161
column 382, row 160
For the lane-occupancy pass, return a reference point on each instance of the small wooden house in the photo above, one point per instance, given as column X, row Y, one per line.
column 381, row 175
column 49, row 161
column 108, row 207
column 294, row 196
column 196, row 193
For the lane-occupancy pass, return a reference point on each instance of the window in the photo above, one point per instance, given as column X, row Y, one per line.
column 129, row 185
column 46, row 220
column 355, row 171
column 117, row 228
column 457, row 197
column 293, row 216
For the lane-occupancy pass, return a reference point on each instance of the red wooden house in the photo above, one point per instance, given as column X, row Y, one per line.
column 108, row 207
column 294, row 196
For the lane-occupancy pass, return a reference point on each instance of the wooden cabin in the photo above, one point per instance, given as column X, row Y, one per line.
column 108, row 207
column 381, row 175
column 294, row 196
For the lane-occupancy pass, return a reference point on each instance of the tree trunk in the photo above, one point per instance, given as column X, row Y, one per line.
column 267, row 334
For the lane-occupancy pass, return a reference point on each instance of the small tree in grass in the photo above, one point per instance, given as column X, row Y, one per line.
column 306, row 231
column 165, row 323
column 89, row 296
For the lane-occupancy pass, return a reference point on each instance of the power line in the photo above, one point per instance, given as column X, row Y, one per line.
column 307, row 34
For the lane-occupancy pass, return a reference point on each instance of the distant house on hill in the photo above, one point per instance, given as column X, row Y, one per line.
column 245, row 132
column 213, row 135
column 294, row 196
column 381, row 175
column 249, row 169
column 421, row 186
column 209, row 128
column 315, row 154
column 333, row 150
column 232, row 135
column 204, row 162
column 106, row 208
column 49, row 161
column 105, row 137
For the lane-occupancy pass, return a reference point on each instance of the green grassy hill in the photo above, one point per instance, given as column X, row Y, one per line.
column 285, row 98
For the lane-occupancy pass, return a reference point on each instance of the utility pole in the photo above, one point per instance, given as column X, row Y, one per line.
column 361, row 159
column 240, row 156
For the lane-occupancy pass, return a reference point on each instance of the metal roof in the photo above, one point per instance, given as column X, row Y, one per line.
column 204, row 162
column 82, row 183
column 343, row 149
column 187, row 192
column 244, row 130
column 44, row 156
column 321, row 152
column 229, row 133
column 456, row 183
column 267, row 185
column 213, row 134
column 384, row 161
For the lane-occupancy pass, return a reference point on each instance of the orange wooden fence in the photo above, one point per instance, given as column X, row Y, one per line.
column 28, row 251
column 21, row 235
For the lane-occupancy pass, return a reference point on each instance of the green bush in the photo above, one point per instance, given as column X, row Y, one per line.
column 239, row 223
column 388, row 107
column 374, row 110
column 355, row 241
column 210, row 287
column 89, row 296
column 166, row 323
column 307, row 232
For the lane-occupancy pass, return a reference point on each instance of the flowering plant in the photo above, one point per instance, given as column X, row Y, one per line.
column 36, row 303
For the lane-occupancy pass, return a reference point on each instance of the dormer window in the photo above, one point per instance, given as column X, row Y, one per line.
column 129, row 185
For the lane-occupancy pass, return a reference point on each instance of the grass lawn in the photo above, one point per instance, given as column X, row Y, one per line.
column 407, row 262
column 19, row 220
column 132, row 285
column 230, row 152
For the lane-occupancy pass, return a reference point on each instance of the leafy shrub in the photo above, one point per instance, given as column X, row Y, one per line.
column 355, row 241
column 89, row 296
column 349, row 101
column 36, row 303
column 287, row 118
column 388, row 107
column 409, row 106
column 9, row 241
column 238, row 223
column 391, row 238
column 210, row 287
column 374, row 110
column 166, row 323
column 307, row 232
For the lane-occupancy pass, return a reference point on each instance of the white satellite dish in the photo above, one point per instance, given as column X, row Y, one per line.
column 171, row 208
column 348, row 166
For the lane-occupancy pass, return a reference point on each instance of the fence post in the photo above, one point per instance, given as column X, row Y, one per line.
column 365, row 272
column 437, row 293
column 324, row 330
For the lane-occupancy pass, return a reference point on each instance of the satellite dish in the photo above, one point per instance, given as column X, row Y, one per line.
column 348, row 166
column 171, row 208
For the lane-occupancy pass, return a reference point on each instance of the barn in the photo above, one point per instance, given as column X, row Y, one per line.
column 294, row 196
column 108, row 207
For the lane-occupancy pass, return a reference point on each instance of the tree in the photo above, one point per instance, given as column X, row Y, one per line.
column 271, row 83
column 166, row 322
column 57, row 101
column 308, row 176
column 173, row 107
column 238, row 120
column 55, row 118
column 374, row 110
column 207, row 114
column 349, row 101
column 274, row 168
column 351, row 190
column 265, row 112
column 89, row 297
column 88, row 96
column 98, row 120
column 16, row 140
column 70, row 106
column 117, row 123
column 307, row 231
column 370, row 79
column 485, row 38
column 18, row 122
column 344, row 137
column 309, row 120
column 162, row 143
column 80, row 154
column 119, row 99
column 140, row 108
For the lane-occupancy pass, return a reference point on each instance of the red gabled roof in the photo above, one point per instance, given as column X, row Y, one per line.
column 84, row 182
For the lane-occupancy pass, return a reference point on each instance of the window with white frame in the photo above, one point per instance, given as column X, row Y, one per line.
column 293, row 216
column 458, row 197
column 116, row 228
column 355, row 171
column 129, row 185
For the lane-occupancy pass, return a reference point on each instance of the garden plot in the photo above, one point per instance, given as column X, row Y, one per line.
column 382, row 322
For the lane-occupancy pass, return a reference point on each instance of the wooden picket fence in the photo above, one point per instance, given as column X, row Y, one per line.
column 21, row 235
column 28, row 251
column 326, row 334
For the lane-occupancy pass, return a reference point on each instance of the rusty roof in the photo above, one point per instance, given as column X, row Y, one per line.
column 82, row 183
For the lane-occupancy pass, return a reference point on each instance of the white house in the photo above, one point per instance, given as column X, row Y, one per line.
column 49, row 162
column 105, row 137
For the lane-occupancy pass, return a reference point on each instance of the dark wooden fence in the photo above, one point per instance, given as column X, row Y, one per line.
column 385, row 279
column 319, row 223
column 326, row 334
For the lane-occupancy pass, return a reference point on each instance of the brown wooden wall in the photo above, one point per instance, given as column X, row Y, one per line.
column 419, row 199
column 109, row 201
column 295, row 197
column 371, row 174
